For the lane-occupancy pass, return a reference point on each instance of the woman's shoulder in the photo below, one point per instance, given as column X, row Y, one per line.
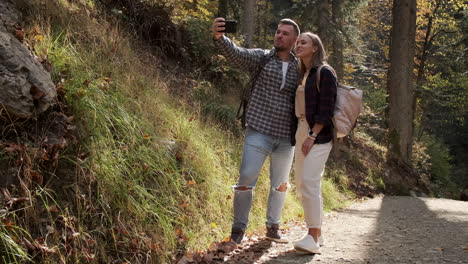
column 327, row 71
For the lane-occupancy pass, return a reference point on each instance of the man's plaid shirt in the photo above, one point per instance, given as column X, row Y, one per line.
column 270, row 109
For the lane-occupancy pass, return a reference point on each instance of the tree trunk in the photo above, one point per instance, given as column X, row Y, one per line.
column 323, row 21
column 337, row 53
column 222, row 8
column 248, row 23
column 400, row 81
column 266, row 22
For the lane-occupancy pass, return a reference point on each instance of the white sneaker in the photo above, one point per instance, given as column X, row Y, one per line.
column 321, row 241
column 307, row 244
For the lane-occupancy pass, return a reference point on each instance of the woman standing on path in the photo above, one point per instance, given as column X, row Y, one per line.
column 314, row 134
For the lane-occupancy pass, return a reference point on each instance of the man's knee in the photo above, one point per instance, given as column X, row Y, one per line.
column 242, row 188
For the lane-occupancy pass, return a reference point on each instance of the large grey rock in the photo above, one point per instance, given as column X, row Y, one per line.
column 26, row 88
column 8, row 13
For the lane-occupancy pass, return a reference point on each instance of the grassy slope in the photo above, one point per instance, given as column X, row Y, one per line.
column 150, row 199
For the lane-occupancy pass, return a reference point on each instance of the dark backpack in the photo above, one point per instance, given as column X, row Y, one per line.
column 248, row 89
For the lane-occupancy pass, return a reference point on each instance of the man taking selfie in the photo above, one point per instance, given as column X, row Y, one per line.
column 269, row 115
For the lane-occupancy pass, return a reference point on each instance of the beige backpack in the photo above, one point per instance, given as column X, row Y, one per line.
column 348, row 106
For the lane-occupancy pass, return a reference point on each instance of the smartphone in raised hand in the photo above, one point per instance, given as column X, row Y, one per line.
column 230, row 26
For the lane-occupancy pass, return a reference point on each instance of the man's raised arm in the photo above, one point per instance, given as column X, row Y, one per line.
column 246, row 59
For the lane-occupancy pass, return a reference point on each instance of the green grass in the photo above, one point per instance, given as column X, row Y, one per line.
column 10, row 249
column 144, row 195
column 181, row 194
column 335, row 190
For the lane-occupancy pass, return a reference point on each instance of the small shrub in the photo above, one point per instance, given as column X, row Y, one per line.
column 440, row 161
column 375, row 178
column 436, row 162
column 339, row 177
column 332, row 197
column 376, row 99
column 355, row 161
column 214, row 108
column 201, row 44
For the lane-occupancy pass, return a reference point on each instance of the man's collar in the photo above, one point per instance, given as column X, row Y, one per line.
column 291, row 53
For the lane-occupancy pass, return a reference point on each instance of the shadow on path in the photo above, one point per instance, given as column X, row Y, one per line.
column 419, row 230
column 382, row 230
column 391, row 230
column 293, row 257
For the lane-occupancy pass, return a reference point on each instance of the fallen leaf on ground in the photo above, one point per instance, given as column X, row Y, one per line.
column 208, row 257
column 213, row 246
column 53, row 209
column 155, row 246
column 47, row 65
column 183, row 260
column 13, row 148
column 37, row 177
column 37, row 30
column 8, row 223
column 19, row 34
column 191, row 182
column 227, row 246
column 81, row 92
column 59, row 88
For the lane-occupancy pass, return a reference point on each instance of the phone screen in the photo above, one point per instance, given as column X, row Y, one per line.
column 230, row 26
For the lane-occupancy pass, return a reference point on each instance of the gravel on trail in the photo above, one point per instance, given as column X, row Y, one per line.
column 387, row 229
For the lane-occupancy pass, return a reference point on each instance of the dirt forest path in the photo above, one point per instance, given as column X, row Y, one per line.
column 380, row 230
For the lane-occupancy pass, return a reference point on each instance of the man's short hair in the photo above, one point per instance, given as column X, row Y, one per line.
column 287, row 21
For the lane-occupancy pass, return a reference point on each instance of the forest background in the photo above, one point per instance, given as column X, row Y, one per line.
column 143, row 173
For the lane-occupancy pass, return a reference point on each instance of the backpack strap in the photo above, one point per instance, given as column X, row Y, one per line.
column 318, row 74
column 248, row 90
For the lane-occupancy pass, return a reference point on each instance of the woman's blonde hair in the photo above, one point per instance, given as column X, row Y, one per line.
column 319, row 58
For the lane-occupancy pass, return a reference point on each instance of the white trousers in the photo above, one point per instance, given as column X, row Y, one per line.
column 309, row 171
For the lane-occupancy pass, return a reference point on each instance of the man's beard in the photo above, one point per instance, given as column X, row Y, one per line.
column 277, row 48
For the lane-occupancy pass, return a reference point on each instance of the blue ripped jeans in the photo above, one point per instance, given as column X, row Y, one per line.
column 257, row 147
